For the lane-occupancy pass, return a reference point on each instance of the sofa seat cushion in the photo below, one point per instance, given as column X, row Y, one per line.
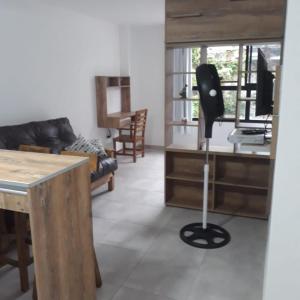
column 106, row 166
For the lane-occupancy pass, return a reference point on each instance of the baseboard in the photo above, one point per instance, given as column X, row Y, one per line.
column 154, row 147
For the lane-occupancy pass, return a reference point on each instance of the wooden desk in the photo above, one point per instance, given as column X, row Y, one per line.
column 55, row 191
column 119, row 119
column 113, row 120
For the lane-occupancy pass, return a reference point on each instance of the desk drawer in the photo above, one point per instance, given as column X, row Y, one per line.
column 15, row 201
column 113, row 122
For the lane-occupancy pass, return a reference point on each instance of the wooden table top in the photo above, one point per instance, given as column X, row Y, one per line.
column 121, row 115
column 21, row 170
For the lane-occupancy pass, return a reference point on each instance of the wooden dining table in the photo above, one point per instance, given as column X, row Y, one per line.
column 55, row 191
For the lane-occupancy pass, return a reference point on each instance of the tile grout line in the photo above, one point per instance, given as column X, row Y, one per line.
column 137, row 263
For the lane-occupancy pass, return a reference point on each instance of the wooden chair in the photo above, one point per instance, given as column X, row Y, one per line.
column 19, row 235
column 136, row 136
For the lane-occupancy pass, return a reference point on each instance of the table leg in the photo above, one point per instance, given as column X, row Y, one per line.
column 22, row 249
column 61, row 229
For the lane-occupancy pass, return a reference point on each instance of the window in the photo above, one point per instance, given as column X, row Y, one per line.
column 226, row 59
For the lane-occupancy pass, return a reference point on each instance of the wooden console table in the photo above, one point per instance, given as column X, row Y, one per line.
column 55, row 191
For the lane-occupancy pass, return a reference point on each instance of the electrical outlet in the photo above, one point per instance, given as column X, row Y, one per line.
column 108, row 134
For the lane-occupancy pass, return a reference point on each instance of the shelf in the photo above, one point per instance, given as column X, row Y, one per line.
column 188, row 166
column 240, row 201
column 186, row 194
column 122, row 82
column 253, row 72
column 125, row 81
column 113, row 81
column 241, row 211
column 247, row 99
column 181, row 73
column 247, row 72
column 185, row 176
column 180, row 123
column 185, row 203
column 240, row 182
column 182, row 148
column 246, row 172
column 186, row 99
column 219, row 151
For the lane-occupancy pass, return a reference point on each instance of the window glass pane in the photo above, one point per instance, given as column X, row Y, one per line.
column 180, row 60
column 243, row 110
column 272, row 53
column 183, row 86
column 229, row 104
column 258, row 118
column 195, row 109
column 225, row 58
column 196, row 55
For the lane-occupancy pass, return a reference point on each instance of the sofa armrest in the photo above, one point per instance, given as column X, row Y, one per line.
column 33, row 148
column 111, row 153
column 93, row 158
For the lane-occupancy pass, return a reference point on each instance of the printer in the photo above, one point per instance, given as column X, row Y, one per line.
column 247, row 136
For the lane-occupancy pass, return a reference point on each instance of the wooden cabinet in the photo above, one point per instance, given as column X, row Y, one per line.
column 224, row 20
column 238, row 182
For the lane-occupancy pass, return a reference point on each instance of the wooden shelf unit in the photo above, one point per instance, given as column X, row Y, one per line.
column 118, row 119
column 238, row 182
column 187, row 194
column 172, row 98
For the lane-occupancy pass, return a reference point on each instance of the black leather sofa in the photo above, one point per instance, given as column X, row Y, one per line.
column 55, row 134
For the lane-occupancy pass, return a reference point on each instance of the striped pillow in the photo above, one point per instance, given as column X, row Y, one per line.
column 83, row 145
column 98, row 144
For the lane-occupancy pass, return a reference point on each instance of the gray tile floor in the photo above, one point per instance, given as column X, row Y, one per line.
column 141, row 256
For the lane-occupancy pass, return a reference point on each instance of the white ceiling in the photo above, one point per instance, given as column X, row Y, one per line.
column 115, row 11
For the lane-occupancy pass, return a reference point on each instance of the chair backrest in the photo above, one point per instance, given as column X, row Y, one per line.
column 139, row 123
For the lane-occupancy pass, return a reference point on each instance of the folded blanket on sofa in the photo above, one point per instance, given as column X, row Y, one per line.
column 81, row 144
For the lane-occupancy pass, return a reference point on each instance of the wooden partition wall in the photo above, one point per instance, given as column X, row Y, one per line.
column 239, row 183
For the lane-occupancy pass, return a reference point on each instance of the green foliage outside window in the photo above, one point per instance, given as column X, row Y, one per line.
column 226, row 61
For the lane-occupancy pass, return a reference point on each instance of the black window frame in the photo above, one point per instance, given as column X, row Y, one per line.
column 248, row 87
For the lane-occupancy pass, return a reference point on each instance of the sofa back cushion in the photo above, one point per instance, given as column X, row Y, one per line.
column 55, row 134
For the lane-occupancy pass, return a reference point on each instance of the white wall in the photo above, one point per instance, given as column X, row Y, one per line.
column 125, row 46
column 146, row 56
column 48, row 60
column 283, row 254
column 146, row 68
